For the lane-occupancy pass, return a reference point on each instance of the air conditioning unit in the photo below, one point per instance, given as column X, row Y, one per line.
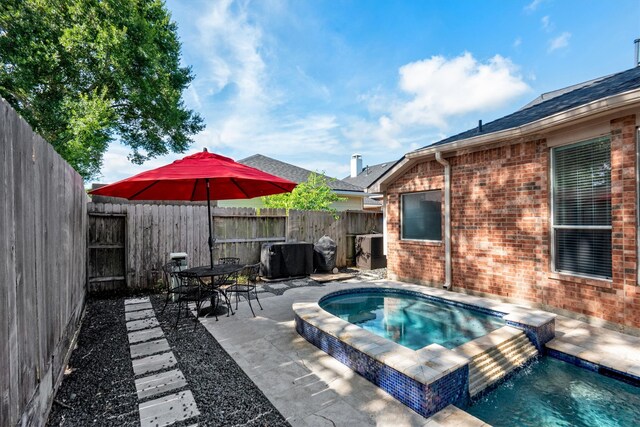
column 370, row 252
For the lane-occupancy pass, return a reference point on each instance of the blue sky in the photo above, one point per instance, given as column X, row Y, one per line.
column 312, row 82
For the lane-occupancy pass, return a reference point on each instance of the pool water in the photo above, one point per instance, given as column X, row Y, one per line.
column 411, row 321
column 550, row 392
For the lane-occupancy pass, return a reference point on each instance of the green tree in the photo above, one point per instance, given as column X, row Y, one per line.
column 84, row 73
column 312, row 195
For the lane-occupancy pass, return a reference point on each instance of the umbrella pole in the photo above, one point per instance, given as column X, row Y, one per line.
column 209, row 221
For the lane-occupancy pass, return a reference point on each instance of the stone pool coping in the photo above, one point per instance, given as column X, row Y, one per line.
column 432, row 362
column 431, row 377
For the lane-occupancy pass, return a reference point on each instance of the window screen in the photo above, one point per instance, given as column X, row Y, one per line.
column 422, row 216
column 582, row 208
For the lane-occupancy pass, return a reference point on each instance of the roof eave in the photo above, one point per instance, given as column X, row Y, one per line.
column 350, row 193
column 593, row 110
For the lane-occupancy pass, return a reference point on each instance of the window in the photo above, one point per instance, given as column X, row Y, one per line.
column 421, row 216
column 581, row 208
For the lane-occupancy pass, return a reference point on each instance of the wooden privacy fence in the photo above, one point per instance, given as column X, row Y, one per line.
column 43, row 222
column 128, row 243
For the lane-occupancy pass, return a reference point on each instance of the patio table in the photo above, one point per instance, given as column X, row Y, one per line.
column 223, row 271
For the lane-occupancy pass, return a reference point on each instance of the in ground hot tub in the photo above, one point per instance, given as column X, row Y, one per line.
column 428, row 372
column 411, row 320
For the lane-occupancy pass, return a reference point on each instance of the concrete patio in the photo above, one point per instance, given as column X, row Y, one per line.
column 311, row 388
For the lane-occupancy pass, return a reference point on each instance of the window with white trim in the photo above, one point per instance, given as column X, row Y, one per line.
column 422, row 216
column 581, row 208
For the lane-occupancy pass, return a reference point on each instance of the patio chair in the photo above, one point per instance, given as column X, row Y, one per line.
column 188, row 290
column 251, row 273
column 168, row 277
column 225, row 281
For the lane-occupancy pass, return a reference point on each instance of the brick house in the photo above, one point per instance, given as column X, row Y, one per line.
column 537, row 206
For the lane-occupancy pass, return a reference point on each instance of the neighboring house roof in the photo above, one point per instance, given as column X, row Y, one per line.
column 556, row 102
column 293, row 173
column 368, row 201
column 370, row 174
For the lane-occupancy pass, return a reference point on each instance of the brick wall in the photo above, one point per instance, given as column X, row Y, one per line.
column 500, row 229
column 421, row 261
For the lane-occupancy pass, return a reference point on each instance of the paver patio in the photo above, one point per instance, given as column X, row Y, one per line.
column 307, row 386
column 311, row 388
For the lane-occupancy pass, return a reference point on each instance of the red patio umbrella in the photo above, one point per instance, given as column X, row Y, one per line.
column 198, row 177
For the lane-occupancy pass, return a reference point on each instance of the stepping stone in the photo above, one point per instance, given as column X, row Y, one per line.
column 136, row 315
column 136, row 325
column 149, row 348
column 136, row 307
column 136, row 300
column 168, row 410
column 159, row 383
column 153, row 363
column 278, row 286
column 145, row 335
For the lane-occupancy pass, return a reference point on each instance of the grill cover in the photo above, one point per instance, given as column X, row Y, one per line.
column 324, row 254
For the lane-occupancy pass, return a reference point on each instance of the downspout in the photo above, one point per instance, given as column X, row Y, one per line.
column 447, row 219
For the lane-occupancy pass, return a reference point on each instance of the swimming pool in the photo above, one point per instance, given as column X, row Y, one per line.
column 550, row 392
column 409, row 320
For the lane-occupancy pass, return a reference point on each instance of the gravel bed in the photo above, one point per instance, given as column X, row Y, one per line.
column 99, row 389
column 224, row 394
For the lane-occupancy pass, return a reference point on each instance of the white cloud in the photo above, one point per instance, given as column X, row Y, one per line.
column 441, row 88
column 230, row 46
column 517, row 42
column 547, row 25
column 116, row 166
column 559, row 42
column 531, row 7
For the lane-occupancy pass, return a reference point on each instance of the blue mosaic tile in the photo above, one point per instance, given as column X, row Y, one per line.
column 540, row 335
column 595, row 367
column 425, row 399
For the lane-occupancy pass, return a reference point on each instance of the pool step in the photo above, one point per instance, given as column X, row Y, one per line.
column 498, row 361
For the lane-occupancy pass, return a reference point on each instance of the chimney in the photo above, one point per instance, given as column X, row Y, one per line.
column 636, row 42
column 356, row 165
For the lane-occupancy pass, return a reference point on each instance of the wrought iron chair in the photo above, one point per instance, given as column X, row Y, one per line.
column 184, row 289
column 168, row 277
column 251, row 274
column 225, row 281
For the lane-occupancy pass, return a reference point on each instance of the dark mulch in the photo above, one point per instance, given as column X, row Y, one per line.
column 100, row 389
column 224, row 394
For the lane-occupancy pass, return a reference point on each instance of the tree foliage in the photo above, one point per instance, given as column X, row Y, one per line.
column 84, row 73
column 312, row 195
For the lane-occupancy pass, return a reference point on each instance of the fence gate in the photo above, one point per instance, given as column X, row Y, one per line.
column 106, row 252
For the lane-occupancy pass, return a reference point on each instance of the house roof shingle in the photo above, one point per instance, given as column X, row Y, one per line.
column 369, row 174
column 292, row 173
column 556, row 102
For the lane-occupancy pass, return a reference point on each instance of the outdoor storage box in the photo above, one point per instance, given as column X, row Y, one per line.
column 282, row 260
